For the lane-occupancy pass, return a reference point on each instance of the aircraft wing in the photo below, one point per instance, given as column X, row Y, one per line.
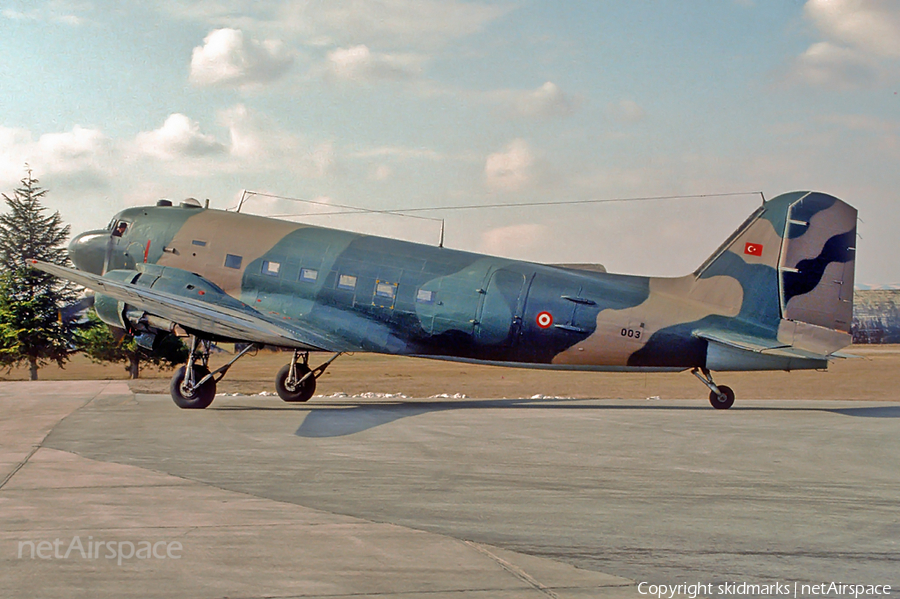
column 231, row 318
column 759, row 345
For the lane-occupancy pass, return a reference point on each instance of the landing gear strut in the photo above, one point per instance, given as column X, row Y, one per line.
column 720, row 396
column 296, row 382
column 194, row 387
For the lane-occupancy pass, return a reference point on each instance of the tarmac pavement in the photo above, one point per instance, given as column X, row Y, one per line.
column 440, row 498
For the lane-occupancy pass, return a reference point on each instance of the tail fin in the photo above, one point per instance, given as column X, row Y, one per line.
column 794, row 258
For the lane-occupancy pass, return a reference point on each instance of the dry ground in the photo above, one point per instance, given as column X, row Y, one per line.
column 872, row 377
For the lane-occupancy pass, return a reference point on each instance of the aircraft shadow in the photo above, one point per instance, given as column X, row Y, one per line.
column 350, row 417
column 870, row 412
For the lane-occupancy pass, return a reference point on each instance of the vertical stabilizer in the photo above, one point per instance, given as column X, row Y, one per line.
column 795, row 260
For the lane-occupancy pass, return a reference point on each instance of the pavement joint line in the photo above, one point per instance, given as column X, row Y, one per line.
column 517, row 572
column 441, row 592
column 513, row 570
column 34, row 448
column 201, row 527
column 82, row 487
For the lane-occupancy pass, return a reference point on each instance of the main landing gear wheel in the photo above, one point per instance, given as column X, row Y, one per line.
column 296, row 382
column 720, row 396
column 192, row 397
column 722, row 400
column 288, row 387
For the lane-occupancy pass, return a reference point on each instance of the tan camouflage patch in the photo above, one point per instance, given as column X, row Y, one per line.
column 620, row 333
column 822, row 226
column 830, row 303
column 812, row 338
column 249, row 237
column 759, row 244
column 824, row 305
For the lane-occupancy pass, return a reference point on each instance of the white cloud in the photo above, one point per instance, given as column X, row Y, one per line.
column 178, row 138
column 399, row 153
column 81, row 156
column 381, row 173
column 627, row 111
column 51, row 14
column 427, row 23
column 229, row 58
column 510, row 169
column 358, row 63
column 262, row 145
column 513, row 239
column 246, row 132
column 323, row 159
column 870, row 25
column 862, row 40
column 382, row 23
column 547, row 100
column 826, row 65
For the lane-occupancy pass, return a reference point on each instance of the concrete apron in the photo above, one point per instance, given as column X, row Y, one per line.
column 192, row 539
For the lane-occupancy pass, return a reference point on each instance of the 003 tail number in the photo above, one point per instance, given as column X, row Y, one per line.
column 634, row 333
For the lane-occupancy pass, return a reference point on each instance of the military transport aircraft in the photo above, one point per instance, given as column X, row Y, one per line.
column 777, row 295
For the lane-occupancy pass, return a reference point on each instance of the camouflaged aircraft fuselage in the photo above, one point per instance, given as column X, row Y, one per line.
column 776, row 295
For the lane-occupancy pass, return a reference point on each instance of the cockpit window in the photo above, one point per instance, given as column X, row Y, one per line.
column 120, row 229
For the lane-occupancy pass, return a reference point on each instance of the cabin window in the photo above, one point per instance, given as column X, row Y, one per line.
column 347, row 282
column 200, row 243
column 309, row 275
column 383, row 289
column 232, row 261
column 424, row 296
column 270, row 268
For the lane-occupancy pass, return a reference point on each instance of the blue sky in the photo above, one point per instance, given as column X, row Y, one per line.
column 397, row 103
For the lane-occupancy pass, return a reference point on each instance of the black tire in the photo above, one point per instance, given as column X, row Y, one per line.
column 302, row 393
column 720, row 403
column 201, row 397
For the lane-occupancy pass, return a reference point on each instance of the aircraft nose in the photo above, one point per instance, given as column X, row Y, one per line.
column 88, row 250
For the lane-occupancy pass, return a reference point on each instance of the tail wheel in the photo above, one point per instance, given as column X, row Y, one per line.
column 197, row 398
column 722, row 400
column 293, row 392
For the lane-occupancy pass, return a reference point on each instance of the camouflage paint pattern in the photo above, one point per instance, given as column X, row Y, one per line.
column 776, row 294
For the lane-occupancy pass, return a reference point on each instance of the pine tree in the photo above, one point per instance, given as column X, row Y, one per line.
column 101, row 344
column 30, row 328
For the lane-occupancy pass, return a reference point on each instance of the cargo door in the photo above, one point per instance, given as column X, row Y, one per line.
column 500, row 311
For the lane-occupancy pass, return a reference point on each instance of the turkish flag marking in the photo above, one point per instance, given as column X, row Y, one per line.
column 753, row 249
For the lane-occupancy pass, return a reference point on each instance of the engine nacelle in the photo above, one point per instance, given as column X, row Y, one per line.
column 110, row 310
column 117, row 313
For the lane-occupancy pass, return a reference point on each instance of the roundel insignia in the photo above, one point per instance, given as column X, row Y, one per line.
column 544, row 320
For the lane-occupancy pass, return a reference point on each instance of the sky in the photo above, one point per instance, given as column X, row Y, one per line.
column 391, row 104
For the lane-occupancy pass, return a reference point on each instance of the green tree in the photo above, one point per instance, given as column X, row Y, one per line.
column 103, row 344
column 30, row 329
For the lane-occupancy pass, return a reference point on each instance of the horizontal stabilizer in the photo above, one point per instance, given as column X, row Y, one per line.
column 728, row 350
